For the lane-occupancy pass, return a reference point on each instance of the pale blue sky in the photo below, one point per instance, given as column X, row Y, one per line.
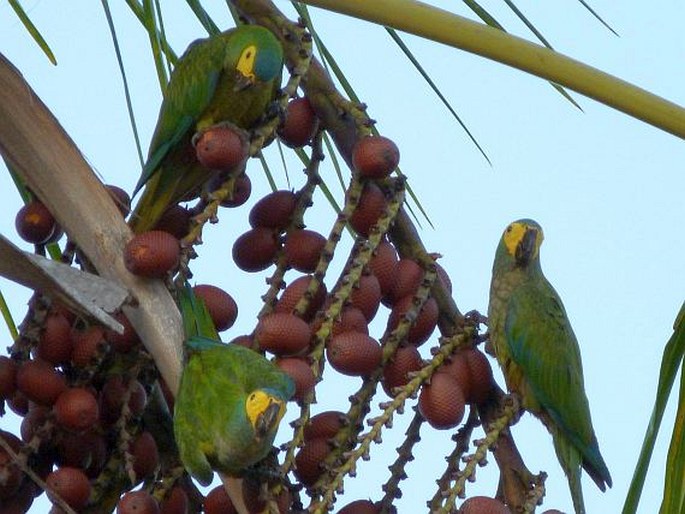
column 607, row 189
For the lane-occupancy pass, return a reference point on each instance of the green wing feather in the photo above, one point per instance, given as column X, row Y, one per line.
column 187, row 96
column 542, row 343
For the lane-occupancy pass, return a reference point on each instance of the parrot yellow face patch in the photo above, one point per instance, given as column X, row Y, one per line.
column 246, row 62
column 263, row 410
column 514, row 235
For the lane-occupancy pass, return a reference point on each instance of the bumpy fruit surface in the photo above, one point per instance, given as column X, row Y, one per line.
column 152, row 254
column 375, row 157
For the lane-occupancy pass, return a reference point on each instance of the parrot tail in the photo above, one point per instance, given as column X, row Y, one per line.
column 594, row 465
column 571, row 461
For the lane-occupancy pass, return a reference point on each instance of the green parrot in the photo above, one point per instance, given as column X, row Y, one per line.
column 230, row 77
column 230, row 400
column 539, row 354
column 229, row 404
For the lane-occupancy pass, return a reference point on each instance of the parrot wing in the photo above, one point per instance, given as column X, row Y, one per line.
column 543, row 345
column 189, row 92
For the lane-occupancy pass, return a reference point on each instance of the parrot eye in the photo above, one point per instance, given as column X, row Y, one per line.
column 509, row 229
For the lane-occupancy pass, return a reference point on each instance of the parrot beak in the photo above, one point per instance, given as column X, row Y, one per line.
column 269, row 418
column 243, row 81
column 527, row 247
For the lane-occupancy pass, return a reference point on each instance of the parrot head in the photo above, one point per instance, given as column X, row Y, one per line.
column 256, row 55
column 520, row 243
column 264, row 409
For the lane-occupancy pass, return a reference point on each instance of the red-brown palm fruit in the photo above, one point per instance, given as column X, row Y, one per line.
column 55, row 344
column 425, row 322
column 10, row 474
column 88, row 345
column 221, row 306
column 375, row 157
column 121, row 198
column 470, row 367
column 274, row 211
column 221, row 148
column 360, row 507
column 256, row 249
column 76, row 409
column 71, row 485
column 242, row 189
column 301, row 372
column 126, row 341
column 32, row 422
column 243, row 340
column 35, row 223
column 87, row 450
column 254, row 500
column 371, row 206
column 396, row 371
column 457, row 366
column 351, row 319
column 482, row 381
column 175, row 502
column 19, row 403
column 138, row 502
column 175, row 221
column 20, row 502
column 303, row 248
column 441, row 402
column 40, row 382
column 218, row 502
column 383, row 264
column 354, row 353
column 145, row 455
column 300, row 123
column 152, row 254
column 112, row 397
column 366, row 295
column 282, row 334
column 295, row 291
column 408, row 278
column 324, row 425
column 308, row 460
column 483, row 505
column 8, row 377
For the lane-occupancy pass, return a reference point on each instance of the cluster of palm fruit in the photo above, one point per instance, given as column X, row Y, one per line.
column 97, row 414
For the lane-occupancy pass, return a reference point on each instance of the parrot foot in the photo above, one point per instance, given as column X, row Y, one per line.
column 266, row 470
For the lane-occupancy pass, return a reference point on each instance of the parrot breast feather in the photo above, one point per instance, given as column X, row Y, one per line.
column 542, row 344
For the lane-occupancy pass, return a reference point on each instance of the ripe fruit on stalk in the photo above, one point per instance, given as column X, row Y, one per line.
column 35, row 223
column 354, row 353
column 221, row 148
column 152, row 254
column 221, row 306
column 256, row 249
column 282, row 333
column 303, row 249
column 375, row 157
column 274, row 210
column 301, row 372
column 441, row 402
column 371, row 206
column 300, row 123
